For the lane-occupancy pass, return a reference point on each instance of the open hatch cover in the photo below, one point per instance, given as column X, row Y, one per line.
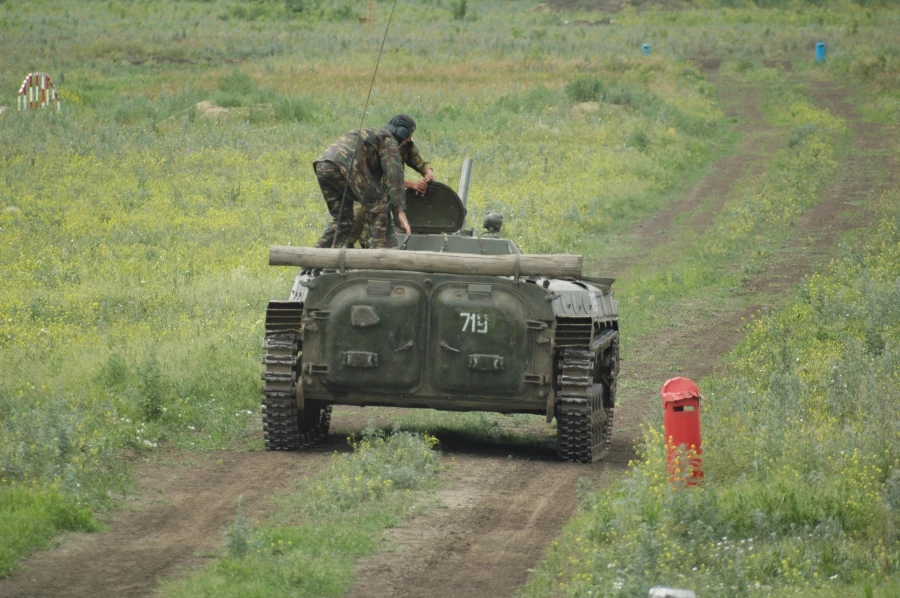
column 440, row 210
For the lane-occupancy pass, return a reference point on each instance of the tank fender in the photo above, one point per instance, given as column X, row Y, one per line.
column 284, row 316
column 583, row 303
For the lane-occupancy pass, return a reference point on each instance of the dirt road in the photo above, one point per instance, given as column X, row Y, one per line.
column 174, row 523
column 502, row 513
column 502, row 505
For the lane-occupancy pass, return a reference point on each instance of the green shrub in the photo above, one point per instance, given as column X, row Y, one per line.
column 626, row 94
column 295, row 109
column 114, row 373
column 344, row 11
column 249, row 11
column 585, row 89
column 534, row 100
column 32, row 515
column 745, row 64
column 132, row 110
column 458, row 9
column 50, row 440
column 238, row 89
column 637, row 138
column 799, row 134
column 379, row 465
column 151, row 389
column 301, row 6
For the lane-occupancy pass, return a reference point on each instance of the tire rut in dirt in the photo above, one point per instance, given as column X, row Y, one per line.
column 177, row 523
column 500, row 516
column 706, row 199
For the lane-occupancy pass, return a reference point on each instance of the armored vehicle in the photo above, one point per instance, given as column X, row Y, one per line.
column 436, row 323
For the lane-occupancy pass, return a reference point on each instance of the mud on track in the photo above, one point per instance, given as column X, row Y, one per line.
column 502, row 505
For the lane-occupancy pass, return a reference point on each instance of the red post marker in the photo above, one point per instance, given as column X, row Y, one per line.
column 681, row 420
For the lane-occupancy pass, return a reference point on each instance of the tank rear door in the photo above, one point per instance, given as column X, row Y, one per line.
column 375, row 335
column 479, row 340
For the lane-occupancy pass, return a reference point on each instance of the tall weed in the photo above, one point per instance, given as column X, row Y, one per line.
column 238, row 89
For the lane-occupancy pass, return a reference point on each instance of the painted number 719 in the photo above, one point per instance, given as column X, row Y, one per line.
column 477, row 322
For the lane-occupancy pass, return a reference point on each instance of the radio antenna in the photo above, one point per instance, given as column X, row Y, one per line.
column 361, row 121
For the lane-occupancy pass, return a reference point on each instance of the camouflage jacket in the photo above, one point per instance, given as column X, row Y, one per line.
column 409, row 153
column 377, row 165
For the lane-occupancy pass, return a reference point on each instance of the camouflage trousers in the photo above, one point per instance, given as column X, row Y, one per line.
column 360, row 231
column 337, row 234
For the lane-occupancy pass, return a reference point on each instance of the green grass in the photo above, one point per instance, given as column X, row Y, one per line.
column 800, row 455
column 309, row 546
column 801, row 460
column 30, row 516
column 133, row 231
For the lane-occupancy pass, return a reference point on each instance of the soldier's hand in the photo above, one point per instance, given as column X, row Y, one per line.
column 404, row 223
column 429, row 176
column 420, row 187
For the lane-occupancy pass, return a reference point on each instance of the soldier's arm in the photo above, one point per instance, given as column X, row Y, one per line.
column 414, row 160
column 392, row 167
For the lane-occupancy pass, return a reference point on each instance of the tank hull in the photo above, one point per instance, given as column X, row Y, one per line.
column 446, row 321
column 453, row 343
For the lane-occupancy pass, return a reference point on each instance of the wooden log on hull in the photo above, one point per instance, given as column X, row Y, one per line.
column 553, row 265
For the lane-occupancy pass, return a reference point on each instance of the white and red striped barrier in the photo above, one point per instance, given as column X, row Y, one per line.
column 37, row 91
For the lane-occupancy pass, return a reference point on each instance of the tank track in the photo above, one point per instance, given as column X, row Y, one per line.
column 584, row 425
column 608, row 374
column 285, row 426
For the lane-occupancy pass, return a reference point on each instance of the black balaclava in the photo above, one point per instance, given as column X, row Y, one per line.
column 401, row 127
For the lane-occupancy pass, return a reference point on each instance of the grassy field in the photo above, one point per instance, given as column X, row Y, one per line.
column 799, row 495
column 134, row 228
column 801, row 491
column 134, row 231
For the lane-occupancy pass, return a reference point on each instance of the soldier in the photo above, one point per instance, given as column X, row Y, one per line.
column 363, row 166
column 409, row 153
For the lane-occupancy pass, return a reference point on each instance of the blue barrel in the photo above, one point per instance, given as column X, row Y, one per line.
column 820, row 51
column 646, row 49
